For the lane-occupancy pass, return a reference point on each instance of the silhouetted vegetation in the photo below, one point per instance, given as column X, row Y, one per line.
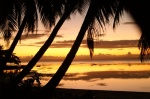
column 23, row 15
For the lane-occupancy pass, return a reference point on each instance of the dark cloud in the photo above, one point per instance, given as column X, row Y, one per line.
column 129, row 23
column 59, row 36
column 29, row 45
column 42, row 42
column 45, row 31
column 37, row 44
column 100, row 44
column 31, row 36
column 115, row 44
column 35, row 36
column 66, row 41
column 61, row 45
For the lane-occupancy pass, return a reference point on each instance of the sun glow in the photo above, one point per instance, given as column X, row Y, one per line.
column 27, row 51
column 67, row 35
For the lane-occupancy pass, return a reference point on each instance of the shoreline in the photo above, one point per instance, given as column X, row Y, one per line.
column 64, row 93
column 99, row 94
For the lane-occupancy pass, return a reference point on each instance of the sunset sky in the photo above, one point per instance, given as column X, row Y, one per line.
column 126, row 31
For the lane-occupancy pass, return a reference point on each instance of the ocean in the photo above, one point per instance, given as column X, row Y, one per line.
column 99, row 75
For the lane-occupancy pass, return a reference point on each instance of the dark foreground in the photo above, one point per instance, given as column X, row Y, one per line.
column 61, row 93
column 99, row 94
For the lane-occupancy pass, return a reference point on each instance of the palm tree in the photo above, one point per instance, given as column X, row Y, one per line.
column 48, row 15
column 139, row 12
column 7, row 22
column 71, row 6
column 27, row 19
column 13, row 59
column 98, row 14
column 86, row 26
column 7, row 19
column 28, row 22
column 88, row 23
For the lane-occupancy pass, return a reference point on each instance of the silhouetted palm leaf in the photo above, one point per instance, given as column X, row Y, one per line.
column 15, row 59
column 7, row 19
column 139, row 12
column 103, row 10
column 49, row 11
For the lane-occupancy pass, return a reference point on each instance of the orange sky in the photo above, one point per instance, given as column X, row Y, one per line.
column 68, row 32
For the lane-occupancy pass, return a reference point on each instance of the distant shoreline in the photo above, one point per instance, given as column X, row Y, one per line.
column 103, row 62
column 100, row 57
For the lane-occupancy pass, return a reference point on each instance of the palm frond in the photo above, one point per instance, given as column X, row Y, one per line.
column 49, row 11
column 103, row 11
column 139, row 11
column 19, row 11
column 75, row 6
column 32, row 17
column 144, row 46
column 119, row 13
column 82, row 6
column 7, row 20
column 90, row 41
column 7, row 29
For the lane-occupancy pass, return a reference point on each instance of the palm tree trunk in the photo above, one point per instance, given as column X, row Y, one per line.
column 11, row 86
column 42, row 50
column 48, row 89
column 18, row 36
column 4, row 90
column 13, row 45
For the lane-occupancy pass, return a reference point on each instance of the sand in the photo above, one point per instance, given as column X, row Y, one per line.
column 62, row 93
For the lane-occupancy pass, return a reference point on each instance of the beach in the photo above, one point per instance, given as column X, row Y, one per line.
column 62, row 93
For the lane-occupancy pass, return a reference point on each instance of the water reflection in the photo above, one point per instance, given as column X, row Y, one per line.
column 108, row 74
column 101, row 76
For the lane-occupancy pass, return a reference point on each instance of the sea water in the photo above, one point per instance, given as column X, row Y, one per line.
column 99, row 75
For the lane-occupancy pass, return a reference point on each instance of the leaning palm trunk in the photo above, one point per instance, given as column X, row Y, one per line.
column 42, row 50
column 13, row 45
column 48, row 89
column 16, row 39
column 11, row 86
